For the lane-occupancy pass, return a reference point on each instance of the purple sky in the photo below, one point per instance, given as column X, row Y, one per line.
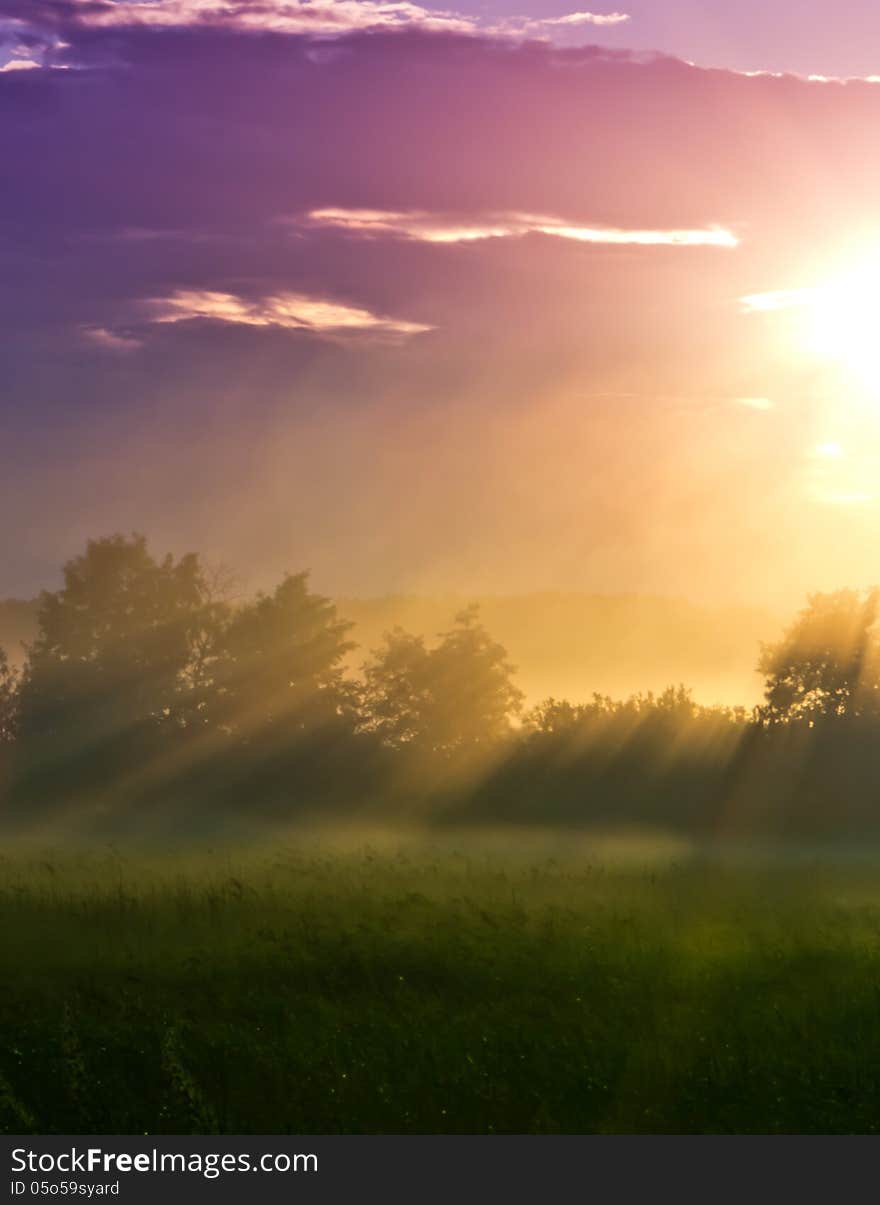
column 430, row 307
column 810, row 37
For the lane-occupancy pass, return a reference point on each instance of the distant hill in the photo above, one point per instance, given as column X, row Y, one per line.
column 567, row 645
column 570, row 645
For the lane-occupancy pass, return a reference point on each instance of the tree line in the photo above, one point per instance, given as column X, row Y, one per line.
column 150, row 684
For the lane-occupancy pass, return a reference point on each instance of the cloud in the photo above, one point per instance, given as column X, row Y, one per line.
column 571, row 19
column 439, row 228
column 290, row 16
column 780, row 299
column 109, row 340
column 283, row 311
column 275, row 16
column 19, row 65
column 755, row 403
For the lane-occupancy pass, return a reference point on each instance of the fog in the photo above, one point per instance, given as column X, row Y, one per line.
column 562, row 644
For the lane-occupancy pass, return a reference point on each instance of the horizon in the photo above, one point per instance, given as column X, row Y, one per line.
column 564, row 644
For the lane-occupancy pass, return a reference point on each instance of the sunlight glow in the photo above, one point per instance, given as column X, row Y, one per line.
column 840, row 319
column 780, row 299
column 828, row 451
column 853, row 498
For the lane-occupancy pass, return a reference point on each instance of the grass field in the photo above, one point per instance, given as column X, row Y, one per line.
column 316, row 989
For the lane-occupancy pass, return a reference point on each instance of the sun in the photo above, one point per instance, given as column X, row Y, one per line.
column 842, row 322
column 830, row 326
column 836, row 320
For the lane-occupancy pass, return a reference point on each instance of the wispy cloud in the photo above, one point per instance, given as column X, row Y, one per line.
column 19, row 65
column 573, row 19
column 438, row 228
column 781, row 299
column 283, row 311
column 755, row 403
column 100, row 336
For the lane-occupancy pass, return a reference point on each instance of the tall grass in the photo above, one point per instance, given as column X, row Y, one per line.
column 318, row 989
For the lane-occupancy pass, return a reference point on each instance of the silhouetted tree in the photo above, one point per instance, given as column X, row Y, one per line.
column 219, row 592
column 455, row 696
column 674, row 706
column 278, row 667
column 675, row 703
column 827, row 663
column 113, row 645
column 8, row 700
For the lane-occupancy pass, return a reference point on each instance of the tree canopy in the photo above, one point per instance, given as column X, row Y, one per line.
column 114, row 642
column 279, row 663
column 8, row 700
column 827, row 663
column 458, row 695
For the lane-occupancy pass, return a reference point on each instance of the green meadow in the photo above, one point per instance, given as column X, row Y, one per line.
column 543, row 985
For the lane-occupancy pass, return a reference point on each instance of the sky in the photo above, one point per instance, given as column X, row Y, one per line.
column 480, row 299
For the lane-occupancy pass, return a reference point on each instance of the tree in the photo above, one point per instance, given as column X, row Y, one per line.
column 827, row 663
column 673, row 712
column 278, row 668
column 458, row 695
column 397, row 696
column 113, row 644
column 8, row 700
column 219, row 593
